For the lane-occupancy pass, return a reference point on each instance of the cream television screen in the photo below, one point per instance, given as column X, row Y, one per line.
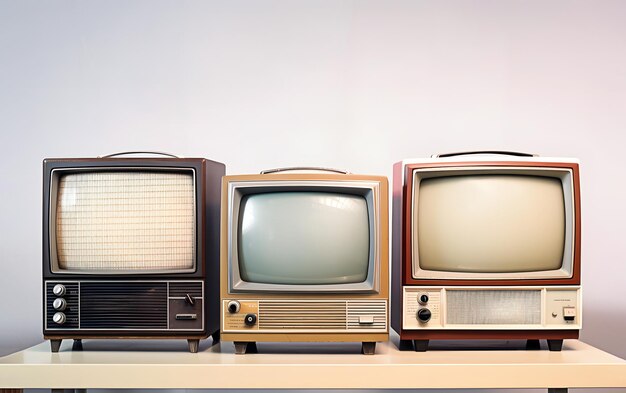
column 125, row 221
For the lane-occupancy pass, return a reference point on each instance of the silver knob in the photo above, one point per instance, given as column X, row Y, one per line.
column 59, row 290
column 59, row 318
column 233, row 307
column 59, row 304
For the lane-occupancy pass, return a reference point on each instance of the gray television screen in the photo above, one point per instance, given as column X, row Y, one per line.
column 303, row 238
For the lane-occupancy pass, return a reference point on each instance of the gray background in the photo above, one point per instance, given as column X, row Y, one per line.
column 348, row 84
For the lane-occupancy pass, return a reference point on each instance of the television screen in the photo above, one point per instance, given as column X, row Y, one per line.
column 125, row 221
column 490, row 223
column 303, row 238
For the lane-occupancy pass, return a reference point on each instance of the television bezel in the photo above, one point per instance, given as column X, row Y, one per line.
column 53, row 168
column 235, row 187
column 567, row 275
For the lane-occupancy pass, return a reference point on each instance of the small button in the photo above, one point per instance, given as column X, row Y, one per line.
column 366, row 319
column 186, row 317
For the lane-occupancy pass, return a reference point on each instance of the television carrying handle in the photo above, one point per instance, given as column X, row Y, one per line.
column 304, row 168
column 125, row 153
column 502, row 152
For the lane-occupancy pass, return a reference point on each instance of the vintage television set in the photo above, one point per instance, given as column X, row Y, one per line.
column 304, row 257
column 131, row 248
column 486, row 245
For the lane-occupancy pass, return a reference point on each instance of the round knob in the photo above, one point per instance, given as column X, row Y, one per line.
column 424, row 315
column 59, row 304
column 422, row 298
column 233, row 306
column 59, row 318
column 250, row 319
column 59, row 290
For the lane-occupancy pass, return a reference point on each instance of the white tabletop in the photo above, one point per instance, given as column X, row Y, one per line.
column 167, row 364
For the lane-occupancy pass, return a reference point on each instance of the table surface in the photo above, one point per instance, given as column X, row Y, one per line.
column 167, row 364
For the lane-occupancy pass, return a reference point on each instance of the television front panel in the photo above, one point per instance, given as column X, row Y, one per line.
column 126, row 243
column 304, row 258
column 486, row 248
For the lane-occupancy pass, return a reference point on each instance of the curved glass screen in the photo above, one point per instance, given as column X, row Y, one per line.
column 491, row 223
column 303, row 238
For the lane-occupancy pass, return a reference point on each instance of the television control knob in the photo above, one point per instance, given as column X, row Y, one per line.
column 423, row 315
column 59, row 304
column 422, row 298
column 59, row 290
column 233, row 307
column 250, row 319
column 59, row 318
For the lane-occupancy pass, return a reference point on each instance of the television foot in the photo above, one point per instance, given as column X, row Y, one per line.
column 533, row 345
column 216, row 337
column 55, row 345
column 193, row 345
column 77, row 345
column 405, row 345
column 243, row 347
column 420, row 345
column 555, row 345
column 368, row 348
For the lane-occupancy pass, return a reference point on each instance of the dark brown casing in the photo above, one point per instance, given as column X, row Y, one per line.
column 208, row 176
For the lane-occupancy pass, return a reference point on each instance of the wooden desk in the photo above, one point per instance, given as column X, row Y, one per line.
column 167, row 364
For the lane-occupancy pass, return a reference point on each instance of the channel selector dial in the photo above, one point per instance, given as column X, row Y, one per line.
column 59, row 304
column 59, row 318
column 59, row 290
column 423, row 315
column 250, row 319
column 233, row 307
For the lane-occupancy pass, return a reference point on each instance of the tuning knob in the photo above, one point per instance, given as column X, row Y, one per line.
column 250, row 319
column 422, row 298
column 423, row 315
column 233, row 306
column 59, row 304
column 59, row 290
column 59, row 318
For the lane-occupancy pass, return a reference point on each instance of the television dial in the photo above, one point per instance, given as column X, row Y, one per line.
column 59, row 318
column 59, row 290
column 423, row 315
column 233, row 307
column 250, row 319
column 59, row 304
column 422, row 298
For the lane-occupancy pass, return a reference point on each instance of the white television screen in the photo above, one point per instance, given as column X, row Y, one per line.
column 125, row 221
column 490, row 223
column 303, row 238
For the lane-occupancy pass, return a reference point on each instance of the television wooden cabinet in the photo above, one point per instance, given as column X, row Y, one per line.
column 146, row 365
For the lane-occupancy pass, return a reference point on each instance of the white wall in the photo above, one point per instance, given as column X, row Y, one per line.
column 348, row 84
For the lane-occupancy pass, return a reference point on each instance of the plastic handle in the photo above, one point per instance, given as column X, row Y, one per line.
column 304, row 168
column 125, row 153
column 502, row 152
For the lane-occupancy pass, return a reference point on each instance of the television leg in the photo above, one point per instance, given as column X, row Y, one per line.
column 216, row 337
column 55, row 345
column 533, row 345
column 405, row 345
column 193, row 345
column 368, row 348
column 555, row 345
column 557, row 390
column 77, row 345
column 252, row 348
column 241, row 347
column 420, row 345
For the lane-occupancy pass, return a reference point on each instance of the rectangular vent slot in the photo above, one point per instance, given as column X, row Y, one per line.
column 276, row 315
column 123, row 305
column 181, row 289
column 375, row 309
column 493, row 307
